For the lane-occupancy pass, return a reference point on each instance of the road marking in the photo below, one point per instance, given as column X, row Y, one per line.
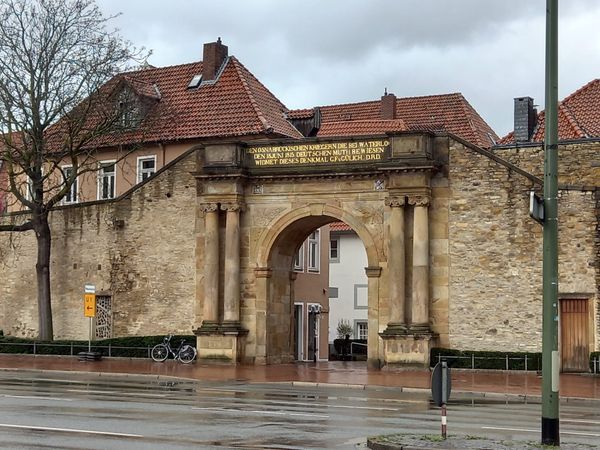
column 127, row 394
column 29, row 397
column 272, row 413
column 69, row 430
column 594, row 422
column 575, row 433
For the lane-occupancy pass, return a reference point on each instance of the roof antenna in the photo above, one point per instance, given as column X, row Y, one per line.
column 385, row 91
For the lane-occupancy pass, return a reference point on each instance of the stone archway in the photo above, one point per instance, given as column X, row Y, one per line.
column 256, row 203
column 275, row 250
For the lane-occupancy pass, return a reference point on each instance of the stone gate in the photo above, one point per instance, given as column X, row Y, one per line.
column 257, row 204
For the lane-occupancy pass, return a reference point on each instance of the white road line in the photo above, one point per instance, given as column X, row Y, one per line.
column 575, row 433
column 594, row 422
column 89, row 391
column 69, row 430
column 127, row 394
column 270, row 413
column 58, row 399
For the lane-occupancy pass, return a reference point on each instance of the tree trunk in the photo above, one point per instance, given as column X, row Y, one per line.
column 42, row 268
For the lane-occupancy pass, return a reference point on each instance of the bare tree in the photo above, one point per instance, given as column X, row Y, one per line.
column 56, row 57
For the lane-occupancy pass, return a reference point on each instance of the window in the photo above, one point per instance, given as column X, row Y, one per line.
column 146, row 166
column 299, row 259
column 71, row 196
column 313, row 251
column 361, row 296
column 361, row 329
column 106, row 180
column 128, row 110
column 334, row 250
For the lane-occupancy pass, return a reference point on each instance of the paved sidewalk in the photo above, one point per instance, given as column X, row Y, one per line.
column 335, row 372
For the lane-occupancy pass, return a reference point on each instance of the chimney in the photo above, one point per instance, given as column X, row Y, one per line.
column 525, row 119
column 388, row 106
column 215, row 54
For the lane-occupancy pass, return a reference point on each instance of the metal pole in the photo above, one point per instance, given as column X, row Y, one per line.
column 444, row 397
column 550, row 355
column 90, row 340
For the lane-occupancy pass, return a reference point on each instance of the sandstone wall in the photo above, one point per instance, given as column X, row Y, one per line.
column 140, row 250
column 496, row 248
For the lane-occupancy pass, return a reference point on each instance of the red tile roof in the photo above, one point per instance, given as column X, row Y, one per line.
column 237, row 104
column 361, row 127
column 448, row 112
column 339, row 226
column 578, row 116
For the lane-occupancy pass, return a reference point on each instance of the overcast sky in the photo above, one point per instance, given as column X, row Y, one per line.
column 321, row 52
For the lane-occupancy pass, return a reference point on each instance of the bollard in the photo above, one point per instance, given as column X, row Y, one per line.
column 506, row 362
column 71, row 348
column 109, row 354
column 525, row 362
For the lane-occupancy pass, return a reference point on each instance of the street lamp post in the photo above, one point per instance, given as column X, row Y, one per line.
column 550, row 354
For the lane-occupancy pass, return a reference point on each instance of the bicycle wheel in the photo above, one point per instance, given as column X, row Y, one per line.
column 187, row 354
column 159, row 353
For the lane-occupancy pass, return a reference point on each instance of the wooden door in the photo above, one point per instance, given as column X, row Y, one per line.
column 574, row 335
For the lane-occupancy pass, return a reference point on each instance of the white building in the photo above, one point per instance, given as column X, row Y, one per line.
column 347, row 281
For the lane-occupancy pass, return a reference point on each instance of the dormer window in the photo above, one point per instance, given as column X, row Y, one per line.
column 128, row 110
column 195, row 82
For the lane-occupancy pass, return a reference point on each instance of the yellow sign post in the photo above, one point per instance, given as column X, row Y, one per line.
column 89, row 308
column 89, row 305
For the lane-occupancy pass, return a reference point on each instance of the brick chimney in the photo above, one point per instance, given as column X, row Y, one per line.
column 388, row 106
column 214, row 55
column 525, row 119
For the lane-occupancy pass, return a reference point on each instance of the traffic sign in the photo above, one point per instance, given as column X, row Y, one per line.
column 89, row 305
column 441, row 384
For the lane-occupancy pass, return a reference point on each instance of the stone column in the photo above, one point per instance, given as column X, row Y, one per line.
column 420, row 265
column 231, row 311
column 211, row 265
column 375, row 355
column 396, row 266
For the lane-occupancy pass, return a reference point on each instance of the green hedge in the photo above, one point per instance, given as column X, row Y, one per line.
column 132, row 346
column 487, row 360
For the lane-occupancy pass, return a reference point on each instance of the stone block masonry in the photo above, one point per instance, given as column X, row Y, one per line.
column 138, row 249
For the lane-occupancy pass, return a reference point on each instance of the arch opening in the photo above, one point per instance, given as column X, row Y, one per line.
column 300, row 322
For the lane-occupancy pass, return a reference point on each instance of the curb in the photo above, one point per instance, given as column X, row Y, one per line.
column 413, row 390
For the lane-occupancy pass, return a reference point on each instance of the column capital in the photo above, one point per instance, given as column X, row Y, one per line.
column 373, row 272
column 419, row 200
column 232, row 206
column 263, row 272
column 395, row 202
column 208, row 207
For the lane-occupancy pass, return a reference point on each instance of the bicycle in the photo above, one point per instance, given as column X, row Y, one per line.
column 185, row 353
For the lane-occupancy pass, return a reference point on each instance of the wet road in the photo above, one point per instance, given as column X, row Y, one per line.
column 81, row 411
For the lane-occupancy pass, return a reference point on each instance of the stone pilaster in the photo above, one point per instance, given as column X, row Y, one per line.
column 396, row 267
column 231, row 311
column 211, row 266
column 420, row 265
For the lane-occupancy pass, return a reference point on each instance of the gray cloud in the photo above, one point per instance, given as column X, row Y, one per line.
column 323, row 52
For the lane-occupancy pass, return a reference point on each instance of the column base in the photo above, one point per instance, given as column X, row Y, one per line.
column 408, row 349
column 394, row 329
column 224, row 342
